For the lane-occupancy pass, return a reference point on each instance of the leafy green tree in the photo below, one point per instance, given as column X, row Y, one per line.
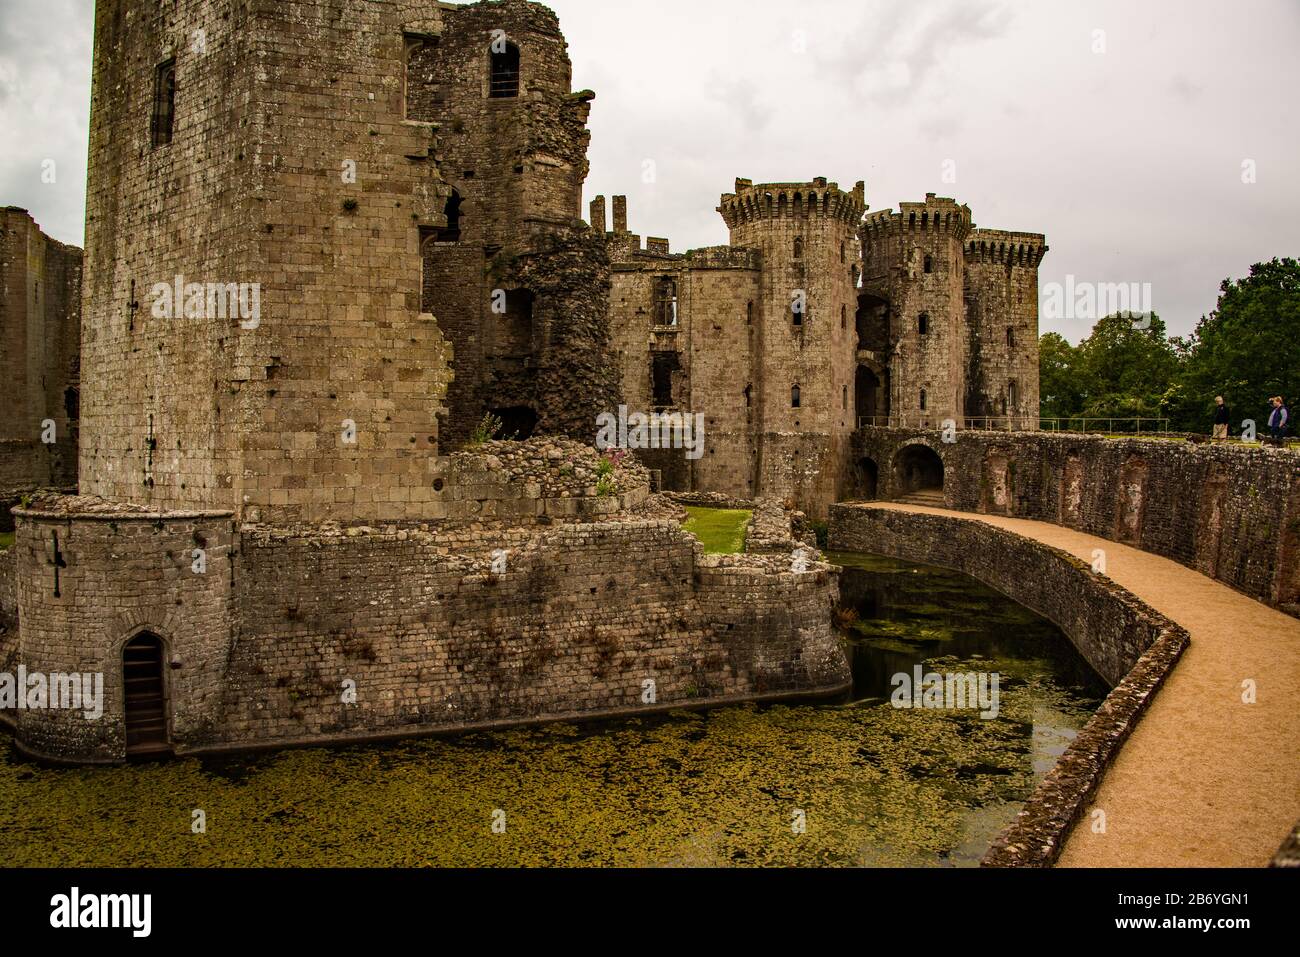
column 1058, row 377
column 1247, row 350
column 1126, row 367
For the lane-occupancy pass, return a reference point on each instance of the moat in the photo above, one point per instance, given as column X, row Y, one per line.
column 871, row 784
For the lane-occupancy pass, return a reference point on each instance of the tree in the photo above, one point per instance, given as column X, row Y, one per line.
column 1125, row 367
column 1247, row 350
column 1058, row 377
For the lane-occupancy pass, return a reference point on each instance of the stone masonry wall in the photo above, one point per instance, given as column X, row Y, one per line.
column 121, row 571
column 40, row 336
column 1110, row 629
column 1231, row 512
column 260, row 646
column 1130, row 644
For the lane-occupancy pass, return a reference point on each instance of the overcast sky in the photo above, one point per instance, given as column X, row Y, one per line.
column 1125, row 146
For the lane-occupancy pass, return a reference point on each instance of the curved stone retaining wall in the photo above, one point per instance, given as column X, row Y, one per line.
column 1229, row 511
column 1126, row 641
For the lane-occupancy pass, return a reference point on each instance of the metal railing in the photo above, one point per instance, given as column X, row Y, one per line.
column 1021, row 423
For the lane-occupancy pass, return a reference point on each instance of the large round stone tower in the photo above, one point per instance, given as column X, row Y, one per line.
column 304, row 220
column 807, row 235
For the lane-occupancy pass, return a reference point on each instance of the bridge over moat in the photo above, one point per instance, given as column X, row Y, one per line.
column 1210, row 775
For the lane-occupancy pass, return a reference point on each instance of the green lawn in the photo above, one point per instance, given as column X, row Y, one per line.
column 722, row 530
column 6, row 540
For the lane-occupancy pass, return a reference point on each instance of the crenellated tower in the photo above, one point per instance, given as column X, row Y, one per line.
column 803, row 355
column 1001, row 294
column 911, row 307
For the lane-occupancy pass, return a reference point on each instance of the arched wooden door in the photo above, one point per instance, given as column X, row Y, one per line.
column 145, row 700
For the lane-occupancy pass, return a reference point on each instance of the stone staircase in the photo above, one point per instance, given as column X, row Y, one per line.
column 931, row 497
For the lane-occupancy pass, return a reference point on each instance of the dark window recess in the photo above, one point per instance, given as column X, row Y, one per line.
column 514, row 329
column 798, row 247
column 922, row 400
column 665, row 301
column 662, row 367
column 518, row 423
column 929, row 265
column 923, row 323
column 423, row 93
column 504, row 82
column 451, row 232
column 164, row 103
column 1011, row 338
column 143, row 697
column 795, row 398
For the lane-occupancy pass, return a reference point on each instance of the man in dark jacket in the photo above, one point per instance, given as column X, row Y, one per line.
column 1221, row 419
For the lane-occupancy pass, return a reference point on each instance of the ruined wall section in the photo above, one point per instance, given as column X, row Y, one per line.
column 577, row 378
column 516, row 165
column 927, row 334
column 40, row 328
column 712, row 349
column 1001, row 295
column 592, row 598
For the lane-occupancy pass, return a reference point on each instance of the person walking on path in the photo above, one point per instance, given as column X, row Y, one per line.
column 1221, row 419
column 1277, row 420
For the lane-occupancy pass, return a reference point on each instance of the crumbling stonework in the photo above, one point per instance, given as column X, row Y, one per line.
column 323, row 239
column 445, row 625
column 815, row 320
column 40, row 331
column 518, row 282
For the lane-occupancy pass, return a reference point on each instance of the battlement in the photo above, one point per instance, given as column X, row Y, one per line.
column 1000, row 246
column 751, row 203
column 937, row 214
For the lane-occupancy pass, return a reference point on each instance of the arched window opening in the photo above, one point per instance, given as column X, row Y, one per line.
column 923, row 399
column 423, row 95
column 665, row 301
column 923, row 323
column 795, row 398
column 1011, row 338
column 844, row 317
column 1011, row 396
column 164, row 103
column 798, row 247
column 505, row 72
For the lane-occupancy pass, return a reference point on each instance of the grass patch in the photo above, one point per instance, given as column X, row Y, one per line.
column 6, row 540
column 721, row 530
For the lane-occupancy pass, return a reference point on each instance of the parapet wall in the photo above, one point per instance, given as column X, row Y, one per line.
column 1229, row 511
column 296, row 634
column 1126, row 641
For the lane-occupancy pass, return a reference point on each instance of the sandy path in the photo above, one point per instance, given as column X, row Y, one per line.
column 1205, row 780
